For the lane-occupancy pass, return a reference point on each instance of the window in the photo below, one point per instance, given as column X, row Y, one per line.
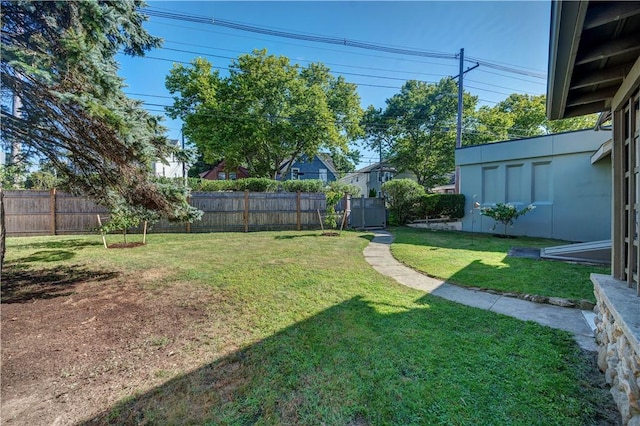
column 323, row 174
column 222, row 175
column 233, row 176
column 295, row 173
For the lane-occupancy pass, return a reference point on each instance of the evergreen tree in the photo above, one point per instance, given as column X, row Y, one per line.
column 58, row 60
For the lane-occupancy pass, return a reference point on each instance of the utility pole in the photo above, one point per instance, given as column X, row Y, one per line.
column 460, row 85
column 460, row 77
column 380, row 172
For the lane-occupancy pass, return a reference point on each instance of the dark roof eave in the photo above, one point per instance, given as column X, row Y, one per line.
column 567, row 19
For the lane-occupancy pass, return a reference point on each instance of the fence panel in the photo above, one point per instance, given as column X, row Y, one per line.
column 28, row 213
column 50, row 212
column 76, row 215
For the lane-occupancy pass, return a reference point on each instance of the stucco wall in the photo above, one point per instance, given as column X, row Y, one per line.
column 554, row 173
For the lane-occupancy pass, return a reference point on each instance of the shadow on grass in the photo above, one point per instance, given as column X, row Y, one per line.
column 24, row 285
column 291, row 237
column 71, row 244
column 466, row 240
column 45, row 256
column 358, row 363
column 368, row 237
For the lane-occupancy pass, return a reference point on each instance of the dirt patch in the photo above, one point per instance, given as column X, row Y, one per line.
column 74, row 342
column 125, row 245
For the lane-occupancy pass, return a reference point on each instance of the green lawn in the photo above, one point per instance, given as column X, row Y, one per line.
column 321, row 338
column 480, row 260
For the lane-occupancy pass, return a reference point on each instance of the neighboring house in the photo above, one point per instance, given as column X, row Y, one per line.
column 570, row 192
column 447, row 188
column 174, row 168
column 222, row 172
column 373, row 176
column 594, row 66
column 321, row 167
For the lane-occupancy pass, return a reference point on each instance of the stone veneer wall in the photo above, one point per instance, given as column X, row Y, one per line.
column 618, row 338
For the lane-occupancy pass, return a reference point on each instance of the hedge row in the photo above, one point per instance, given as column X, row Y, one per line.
column 270, row 185
column 440, row 205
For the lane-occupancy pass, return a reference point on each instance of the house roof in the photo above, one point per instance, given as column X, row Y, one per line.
column 375, row 167
column 324, row 157
column 593, row 47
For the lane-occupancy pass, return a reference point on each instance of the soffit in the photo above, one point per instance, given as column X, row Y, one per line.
column 593, row 46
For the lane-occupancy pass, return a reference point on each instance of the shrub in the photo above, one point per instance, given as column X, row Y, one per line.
column 403, row 197
column 505, row 214
column 124, row 217
column 256, row 185
column 372, row 193
column 345, row 188
column 306, row 185
column 211, row 185
column 42, row 181
column 451, row 205
column 333, row 198
column 426, row 206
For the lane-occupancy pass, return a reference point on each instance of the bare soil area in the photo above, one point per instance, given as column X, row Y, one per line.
column 75, row 340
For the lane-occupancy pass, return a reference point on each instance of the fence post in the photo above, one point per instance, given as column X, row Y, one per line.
column 298, row 219
column 188, row 224
column 52, row 214
column 347, row 208
column 246, row 210
column 362, row 210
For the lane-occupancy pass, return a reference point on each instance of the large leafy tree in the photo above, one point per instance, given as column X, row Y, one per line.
column 518, row 116
column 419, row 125
column 58, row 60
column 265, row 111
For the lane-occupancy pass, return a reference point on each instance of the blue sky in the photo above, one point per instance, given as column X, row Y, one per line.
column 510, row 33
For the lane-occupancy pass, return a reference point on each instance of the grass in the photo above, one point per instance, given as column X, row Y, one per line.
column 480, row 260
column 304, row 331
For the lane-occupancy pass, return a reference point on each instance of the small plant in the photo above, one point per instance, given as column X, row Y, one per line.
column 505, row 214
column 331, row 219
column 124, row 217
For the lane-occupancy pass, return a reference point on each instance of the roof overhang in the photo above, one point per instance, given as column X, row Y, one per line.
column 602, row 152
column 594, row 51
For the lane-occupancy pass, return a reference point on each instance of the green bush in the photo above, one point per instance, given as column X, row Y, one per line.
column 213, row 185
column 42, row 181
column 403, row 196
column 450, row 205
column 305, row 185
column 249, row 184
column 256, row 185
column 425, row 207
column 345, row 188
column 373, row 193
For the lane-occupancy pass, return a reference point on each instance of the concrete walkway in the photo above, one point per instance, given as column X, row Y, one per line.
column 580, row 323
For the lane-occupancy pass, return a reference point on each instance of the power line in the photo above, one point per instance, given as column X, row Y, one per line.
column 298, row 36
column 333, row 40
column 306, row 46
column 360, row 74
column 326, row 63
column 333, row 72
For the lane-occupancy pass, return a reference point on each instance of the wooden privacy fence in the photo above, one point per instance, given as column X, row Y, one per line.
column 57, row 213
